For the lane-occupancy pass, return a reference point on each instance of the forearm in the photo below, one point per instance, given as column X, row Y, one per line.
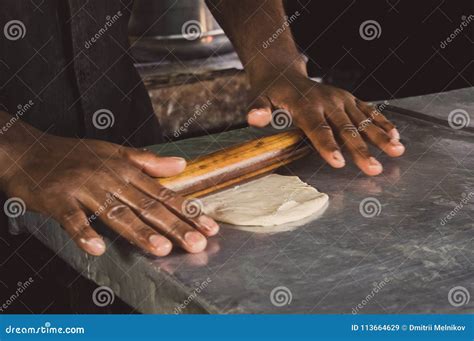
column 261, row 35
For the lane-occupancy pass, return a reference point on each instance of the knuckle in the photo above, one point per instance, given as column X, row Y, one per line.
column 305, row 105
column 147, row 203
column 165, row 194
column 55, row 188
column 119, row 211
column 175, row 228
column 318, row 127
column 348, row 127
column 338, row 95
column 349, row 131
column 337, row 98
column 323, row 129
column 320, row 135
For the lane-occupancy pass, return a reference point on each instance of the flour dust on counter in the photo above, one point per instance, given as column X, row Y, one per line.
column 269, row 201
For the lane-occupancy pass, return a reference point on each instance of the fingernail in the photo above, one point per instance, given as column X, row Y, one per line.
column 97, row 245
column 394, row 134
column 208, row 224
column 159, row 243
column 373, row 163
column 338, row 157
column 155, row 240
column 395, row 142
column 175, row 162
column 177, row 158
column 258, row 112
column 195, row 239
column 397, row 146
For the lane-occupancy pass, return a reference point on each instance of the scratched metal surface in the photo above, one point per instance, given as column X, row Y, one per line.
column 439, row 106
column 403, row 260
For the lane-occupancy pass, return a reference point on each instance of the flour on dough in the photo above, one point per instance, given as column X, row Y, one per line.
column 268, row 201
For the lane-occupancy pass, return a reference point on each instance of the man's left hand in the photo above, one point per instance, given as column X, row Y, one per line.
column 330, row 117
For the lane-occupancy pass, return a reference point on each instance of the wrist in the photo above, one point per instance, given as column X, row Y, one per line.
column 16, row 140
column 265, row 70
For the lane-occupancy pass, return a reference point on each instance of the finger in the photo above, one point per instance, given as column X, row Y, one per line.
column 76, row 224
column 374, row 133
column 379, row 119
column 157, row 215
column 189, row 210
column 154, row 165
column 259, row 112
column 353, row 142
column 120, row 218
column 321, row 136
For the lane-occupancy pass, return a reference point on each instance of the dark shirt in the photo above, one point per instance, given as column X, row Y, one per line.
column 61, row 61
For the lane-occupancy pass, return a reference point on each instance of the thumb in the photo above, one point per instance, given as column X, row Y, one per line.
column 259, row 112
column 153, row 165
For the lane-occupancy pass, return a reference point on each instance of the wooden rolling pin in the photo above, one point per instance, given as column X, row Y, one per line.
column 236, row 164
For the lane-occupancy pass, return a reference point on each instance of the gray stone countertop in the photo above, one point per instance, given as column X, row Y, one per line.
column 399, row 258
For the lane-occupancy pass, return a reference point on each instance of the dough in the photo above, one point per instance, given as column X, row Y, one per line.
column 268, row 201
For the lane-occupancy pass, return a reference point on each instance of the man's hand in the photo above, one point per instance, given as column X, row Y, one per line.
column 79, row 181
column 330, row 117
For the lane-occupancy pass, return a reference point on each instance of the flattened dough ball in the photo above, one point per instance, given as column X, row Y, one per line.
column 268, row 201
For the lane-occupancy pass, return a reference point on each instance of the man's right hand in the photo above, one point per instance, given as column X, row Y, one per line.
column 70, row 179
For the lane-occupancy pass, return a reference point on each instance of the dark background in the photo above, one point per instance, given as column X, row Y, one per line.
column 405, row 60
